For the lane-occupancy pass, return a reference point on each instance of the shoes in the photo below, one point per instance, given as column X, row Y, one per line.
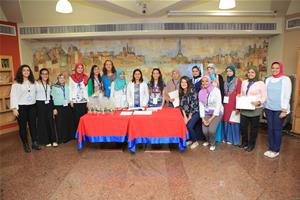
column 194, row 145
column 205, row 144
column 55, row 144
column 250, row 148
column 243, row 146
column 267, row 153
column 273, row 154
column 35, row 146
column 26, row 148
column 188, row 143
column 229, row 143
column 212, row 148
column 49, row 145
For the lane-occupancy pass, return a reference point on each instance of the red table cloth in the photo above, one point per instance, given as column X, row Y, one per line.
column 162, row 127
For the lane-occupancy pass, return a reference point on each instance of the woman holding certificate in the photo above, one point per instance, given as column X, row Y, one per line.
column 255, row 90
column 277, row 106
column 211, row 111
column 230, row 128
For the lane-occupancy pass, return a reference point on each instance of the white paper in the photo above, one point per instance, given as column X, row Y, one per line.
column 147, row 112
column 125, row 113
column 235, row 118
column 175, row 95
column 154, row 108
column 244, row 102
column 226, row 99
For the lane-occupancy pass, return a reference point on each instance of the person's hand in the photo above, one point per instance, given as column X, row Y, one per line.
column 55, row 112
column 72, row 104
column 172, row 100
column 283, row 114
column 16, row 112
column 237, row 112
column 185, row 120
column 205, row 122
column 255, row 103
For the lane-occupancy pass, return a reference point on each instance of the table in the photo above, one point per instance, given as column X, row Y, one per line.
column 162, row 127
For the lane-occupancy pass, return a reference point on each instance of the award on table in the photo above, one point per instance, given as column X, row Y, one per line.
column 174, row 95
column 244, row 102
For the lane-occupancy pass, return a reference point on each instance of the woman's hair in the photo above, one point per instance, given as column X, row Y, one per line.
column 160, row 82
column 137, row 70
column 189, row 85
column 113, row 69
column 19, row 75
column 40, row 74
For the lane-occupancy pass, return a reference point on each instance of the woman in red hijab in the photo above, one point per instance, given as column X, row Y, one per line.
column 277, row 106
column 78, row 93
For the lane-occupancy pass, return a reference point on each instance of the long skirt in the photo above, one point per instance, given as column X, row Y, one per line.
column 79, row 110
column 45, row 125
column 231, row 132
column 64, row 122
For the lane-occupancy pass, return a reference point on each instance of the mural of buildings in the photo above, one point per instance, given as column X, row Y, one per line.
column 167, row 54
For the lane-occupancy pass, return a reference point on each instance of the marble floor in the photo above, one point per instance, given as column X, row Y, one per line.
column 99, row 173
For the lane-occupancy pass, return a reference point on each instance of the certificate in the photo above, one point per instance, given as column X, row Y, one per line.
column 174, row 95
column 235, row 118
column 244, row 102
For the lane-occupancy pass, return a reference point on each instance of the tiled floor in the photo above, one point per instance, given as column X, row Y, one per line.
column 228, row 173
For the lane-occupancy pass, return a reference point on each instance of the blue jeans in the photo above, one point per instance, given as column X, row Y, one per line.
column 191, row 126
column 275, row 125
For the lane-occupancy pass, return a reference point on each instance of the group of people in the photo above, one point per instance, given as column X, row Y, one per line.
column 206, row 102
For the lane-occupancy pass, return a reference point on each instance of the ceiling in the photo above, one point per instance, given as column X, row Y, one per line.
column 21, row 11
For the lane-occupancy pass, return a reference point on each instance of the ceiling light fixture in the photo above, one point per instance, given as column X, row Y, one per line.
column 223, row 13
column 226, row 4
column 64, row 6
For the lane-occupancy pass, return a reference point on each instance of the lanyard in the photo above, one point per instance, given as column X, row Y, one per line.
column 248, row 86
column 207, row 99
column 45, row 89
column 64, row 91
column 98, row 83
column 175, row 85
column 228, row 87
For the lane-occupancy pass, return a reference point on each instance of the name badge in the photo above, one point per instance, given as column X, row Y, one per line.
column 65, row 103
column 226, row 99
column 47, row 102
column 155, row 100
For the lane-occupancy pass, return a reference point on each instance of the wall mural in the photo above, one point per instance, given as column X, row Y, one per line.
column 167, row 54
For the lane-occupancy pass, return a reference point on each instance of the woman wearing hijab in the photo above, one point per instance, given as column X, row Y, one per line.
column 217, row 79
column 232, row 88
column 172, row 85
column 196, row 78
column 78, row 93
column 211, row 110
column 62, row 110
column 118, row 90
column 277, row 106
column 256, row 89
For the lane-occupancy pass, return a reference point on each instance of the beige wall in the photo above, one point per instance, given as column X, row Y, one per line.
column 2, row 15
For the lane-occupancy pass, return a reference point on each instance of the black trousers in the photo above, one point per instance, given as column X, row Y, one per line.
column 27, row 114
column 79, row 110
column 249, row 140
column 45, row 125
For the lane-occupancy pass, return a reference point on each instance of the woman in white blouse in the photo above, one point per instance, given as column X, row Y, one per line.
column 44, row 107
column 78, row 93
column 211, row 110
column 22, row 102
column 118, row 90
column 137, row 90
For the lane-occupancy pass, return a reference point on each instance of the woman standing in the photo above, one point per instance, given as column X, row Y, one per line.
column 189, row 106
column 108, row 76
column 95, row 84
column 118, row 90
column 62, row 110
column 256, row 89
column 196, row 78
column 78, row 93
column 22, row 102
column 137, row 90
column 172, row 85
column 277, row 106
column 45, row 110
column 156, row 89
column 217, row 79
column 232, row 88
column 211, row 110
